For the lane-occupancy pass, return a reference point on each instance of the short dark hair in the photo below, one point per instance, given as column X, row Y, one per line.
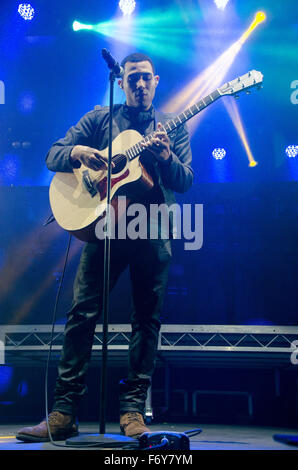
column 137, row 57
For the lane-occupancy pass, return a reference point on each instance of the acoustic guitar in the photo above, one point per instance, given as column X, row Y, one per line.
column 79, row 199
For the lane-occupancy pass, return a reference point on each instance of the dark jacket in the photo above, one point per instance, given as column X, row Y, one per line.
column 175, row 175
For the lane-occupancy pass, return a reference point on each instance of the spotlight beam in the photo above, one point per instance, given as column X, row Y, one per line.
column 46, row 283
column 213, row 76
column 259, row 18
column 234, row 114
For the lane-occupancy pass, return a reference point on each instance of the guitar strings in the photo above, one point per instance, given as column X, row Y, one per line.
column 121, row 156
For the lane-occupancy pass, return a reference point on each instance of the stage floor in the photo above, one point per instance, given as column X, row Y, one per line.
column 212, row 437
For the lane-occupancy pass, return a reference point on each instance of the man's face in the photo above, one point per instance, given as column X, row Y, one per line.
column 139, row 84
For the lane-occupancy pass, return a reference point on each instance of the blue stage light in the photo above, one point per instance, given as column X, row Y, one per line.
column 26, row 11
column 127, row 6
column 26, row 102
column 219, row 153
column 9, row 168
column 6, row 373
column 292, row 151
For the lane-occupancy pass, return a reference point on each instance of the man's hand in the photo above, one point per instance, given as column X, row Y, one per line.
column 89, row 157
column 159, row 145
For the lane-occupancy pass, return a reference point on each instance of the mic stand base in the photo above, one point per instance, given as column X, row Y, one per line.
column 107, row 441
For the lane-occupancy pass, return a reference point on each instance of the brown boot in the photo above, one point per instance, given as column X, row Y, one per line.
column 132, row 424
column 61, row 427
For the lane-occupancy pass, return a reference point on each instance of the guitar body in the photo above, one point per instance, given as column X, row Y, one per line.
column 78, row 200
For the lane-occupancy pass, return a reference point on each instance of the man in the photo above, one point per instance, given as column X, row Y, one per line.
column 168, row 161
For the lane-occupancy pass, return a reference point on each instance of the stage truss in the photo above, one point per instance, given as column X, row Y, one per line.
column 185, row 345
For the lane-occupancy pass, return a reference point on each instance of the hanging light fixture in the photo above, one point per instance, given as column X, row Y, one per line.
column 127, row 6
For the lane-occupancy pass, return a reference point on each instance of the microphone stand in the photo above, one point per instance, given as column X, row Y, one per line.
column 106, row 280
column 102, row 439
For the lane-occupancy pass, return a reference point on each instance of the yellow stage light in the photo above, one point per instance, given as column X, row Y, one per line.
column 234, row 114
column 45, row 284
column 260, row 16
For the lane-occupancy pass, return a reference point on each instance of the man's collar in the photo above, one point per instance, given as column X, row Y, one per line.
column 133, row 114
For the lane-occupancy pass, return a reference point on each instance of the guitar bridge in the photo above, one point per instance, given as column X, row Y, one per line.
column 87, row 183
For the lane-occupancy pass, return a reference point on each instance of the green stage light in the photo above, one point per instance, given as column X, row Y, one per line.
column 77, row 26
column 148, row 31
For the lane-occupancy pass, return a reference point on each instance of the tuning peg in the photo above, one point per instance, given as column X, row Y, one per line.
column 248, row 92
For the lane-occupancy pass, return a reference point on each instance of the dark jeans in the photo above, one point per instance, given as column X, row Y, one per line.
column 148, row 261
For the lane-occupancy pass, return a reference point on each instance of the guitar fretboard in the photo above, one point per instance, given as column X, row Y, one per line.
column 172, row 124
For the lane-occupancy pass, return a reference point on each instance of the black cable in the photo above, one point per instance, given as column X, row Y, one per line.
column 193, row 432
column 51, row 341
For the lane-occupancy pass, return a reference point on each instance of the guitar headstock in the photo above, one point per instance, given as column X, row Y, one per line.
column 249, row 80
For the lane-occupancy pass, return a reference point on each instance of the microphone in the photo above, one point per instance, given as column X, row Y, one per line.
column 113, row 65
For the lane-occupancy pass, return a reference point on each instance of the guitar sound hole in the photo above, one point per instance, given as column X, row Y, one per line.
column 120, row 163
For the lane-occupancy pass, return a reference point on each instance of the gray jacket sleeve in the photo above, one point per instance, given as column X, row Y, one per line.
column 177, row 174
column 82, row 133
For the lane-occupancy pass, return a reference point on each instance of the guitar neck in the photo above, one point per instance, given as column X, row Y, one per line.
column 172, row 124
column 190, row 112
